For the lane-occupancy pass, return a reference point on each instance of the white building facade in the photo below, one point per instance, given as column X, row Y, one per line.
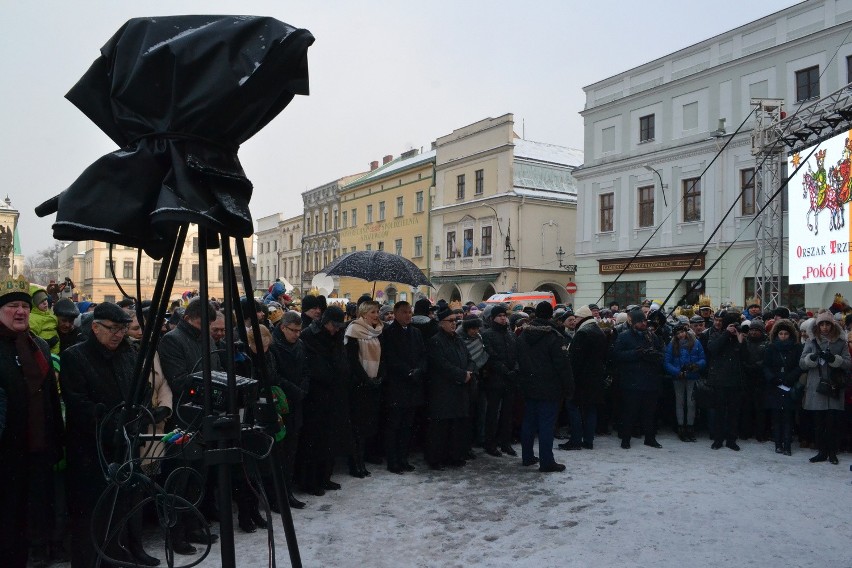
column 659, row 124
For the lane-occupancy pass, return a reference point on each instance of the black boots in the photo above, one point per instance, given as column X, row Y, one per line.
column 681, row 433
column 820, row 457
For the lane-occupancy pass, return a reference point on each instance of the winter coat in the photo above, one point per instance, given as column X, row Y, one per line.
column 685, row 357
column 753, row 353
column 14, row 451
column 545, row 370
column 73, row 337
column 404, row 353
column 326, row 430
column 781, row 367
column 449, row 362
column 836, row 344
column 726, row 356
column 43, row 323
column 94, row 381
column 639, row 355
column 588, row 353
column 180, row 355
column 365, row 392
column 426, row 326
column 501, row 369
column 291, row 374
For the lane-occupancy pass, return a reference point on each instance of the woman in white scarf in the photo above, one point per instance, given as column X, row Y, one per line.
column 364, row 351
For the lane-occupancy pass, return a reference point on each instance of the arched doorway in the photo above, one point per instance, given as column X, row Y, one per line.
column 480, row 291
column 390, row 295
column 558, row 291
column 448, row 292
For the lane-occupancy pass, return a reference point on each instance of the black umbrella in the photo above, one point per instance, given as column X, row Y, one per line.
column 373, row 265
column 178, row 94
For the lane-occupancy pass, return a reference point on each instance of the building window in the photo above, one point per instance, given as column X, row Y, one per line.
column 485, row 244
column 468, row 242
column 451, row 244
column 418, row 205
column 345, row 220
column 608, row 140
column 368, row 246
column 480, row 182
column 354, row 217
column 691, row 199
column 195, row 273
column 369, row 213
column 128, row 269
column 381, row 210
column 194, row 245
column 179, row 272
column 607, row 211
column 157, row 267
column 646, row 128
column 108, row 269
column 334, row 219
column 807, row 84
column 399, row 206
column 397, row 246
column 849, row 69
column 418, row 246
column 460, row 186
column 308, row 225
column 624, row 293
column 109, row 298
column 646, row 206
column 792, row 295
column 381, row 245
column 747, row 190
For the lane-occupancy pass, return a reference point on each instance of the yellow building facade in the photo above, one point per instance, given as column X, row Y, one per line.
column 388, row 209
column 89, row 266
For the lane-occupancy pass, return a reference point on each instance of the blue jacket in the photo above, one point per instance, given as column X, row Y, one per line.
column 694, row 356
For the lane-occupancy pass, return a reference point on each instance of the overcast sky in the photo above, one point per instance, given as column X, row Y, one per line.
column 385, row 77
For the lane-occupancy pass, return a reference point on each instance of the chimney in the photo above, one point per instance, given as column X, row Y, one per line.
column 387, row 159
column 374, row 165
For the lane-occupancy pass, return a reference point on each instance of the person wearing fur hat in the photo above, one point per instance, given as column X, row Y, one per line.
column 684, row 363
column 545, row 381
column 725, row 376
column 781, row 373
column 587, row 356
column 31, row 442
column 311, row 309
column 639, row 355
column 450, row 371
column 469, row 330
column 826, row 358
column 499, row 383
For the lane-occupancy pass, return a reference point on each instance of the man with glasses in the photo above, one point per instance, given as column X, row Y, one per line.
column 291, row 366
column 96, row 378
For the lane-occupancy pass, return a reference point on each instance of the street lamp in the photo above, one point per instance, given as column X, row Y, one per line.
column 662, row 185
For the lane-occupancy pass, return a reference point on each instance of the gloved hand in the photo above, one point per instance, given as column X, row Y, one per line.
column 812, row 357
column 829, row 357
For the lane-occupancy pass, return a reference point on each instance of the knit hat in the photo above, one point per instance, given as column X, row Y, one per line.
column 544, row 310
column 14, row 290
column 583, row 312
column 444, row 314
column 825, row 316
column 498, row 310
column 38, row 297
column 310, row 302
column 782, row 312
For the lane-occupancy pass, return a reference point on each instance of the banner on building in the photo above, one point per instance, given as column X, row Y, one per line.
column 818, row 197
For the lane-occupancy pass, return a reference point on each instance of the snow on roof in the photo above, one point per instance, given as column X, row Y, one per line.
column 548, row 152
column 545, row 194
column 395, row 166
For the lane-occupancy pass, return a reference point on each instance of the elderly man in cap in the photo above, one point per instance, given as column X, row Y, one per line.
column 450, row 371
column 499, row 382
column 97, row 378
column 639, row 354
column 545, row 381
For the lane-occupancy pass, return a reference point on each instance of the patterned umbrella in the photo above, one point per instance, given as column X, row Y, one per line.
column 373, row 265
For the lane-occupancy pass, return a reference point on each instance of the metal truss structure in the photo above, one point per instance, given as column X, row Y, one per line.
column 774, row 136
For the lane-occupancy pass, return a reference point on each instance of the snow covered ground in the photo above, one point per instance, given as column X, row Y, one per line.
column 683, row 506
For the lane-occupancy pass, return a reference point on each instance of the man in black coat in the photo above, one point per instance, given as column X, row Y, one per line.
column 291, row 368
column 423, row 320
column 587, row 354
column 639, row 355
column 545, row 381
column 97, row 379
column 405, row 365
column 450, row 371
column 726, row 353
column 499, row 380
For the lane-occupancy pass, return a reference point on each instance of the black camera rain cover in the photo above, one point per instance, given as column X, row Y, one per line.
column 178, row 94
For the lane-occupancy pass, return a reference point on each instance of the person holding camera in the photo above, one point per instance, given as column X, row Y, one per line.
column 684, row 362
column 725, row 377
column 639, row 354
column 826, row 359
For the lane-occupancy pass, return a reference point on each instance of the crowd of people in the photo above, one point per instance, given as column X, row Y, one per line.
column 376, row 384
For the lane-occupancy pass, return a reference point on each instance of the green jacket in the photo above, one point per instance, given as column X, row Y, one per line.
column 43, row 323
